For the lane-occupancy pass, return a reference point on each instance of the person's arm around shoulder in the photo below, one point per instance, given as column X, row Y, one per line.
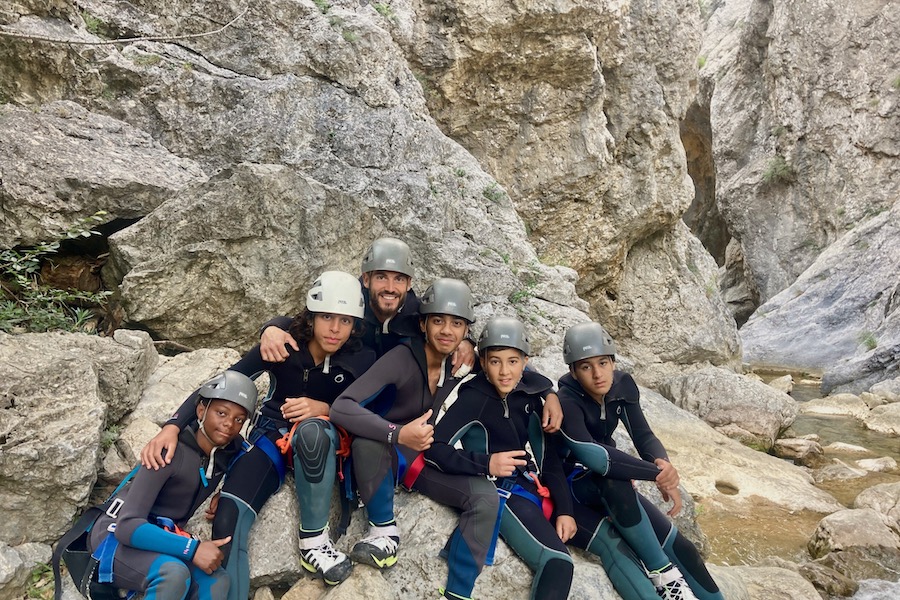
column 275, row 338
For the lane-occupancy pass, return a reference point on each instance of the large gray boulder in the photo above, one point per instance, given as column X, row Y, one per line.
column 848, row 301
column 669, row 317
column 719, row 470
column 860, row 527
column 737, row 406
column 885, row 419
column 884, row 497
column 63, row 163
column 59, row 392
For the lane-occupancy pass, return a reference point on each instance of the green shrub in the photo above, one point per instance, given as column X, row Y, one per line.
column 384, row 10
column 493, row 193
column 778, row 170
column 96, row 26
column 867, row 340
column 322, row 5
column 27, row 305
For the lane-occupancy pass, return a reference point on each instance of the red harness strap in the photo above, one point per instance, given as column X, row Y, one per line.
column 544, row 492
column 412, row 473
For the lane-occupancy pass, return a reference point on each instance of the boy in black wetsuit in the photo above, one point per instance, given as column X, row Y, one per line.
column 595, row 399
column 139, row 541
column 495, row 416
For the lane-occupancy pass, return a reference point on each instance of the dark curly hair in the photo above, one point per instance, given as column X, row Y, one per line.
column 301, row 329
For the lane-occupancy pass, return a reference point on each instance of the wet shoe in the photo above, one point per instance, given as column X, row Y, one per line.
column 318, row 556
column 670, row 584
column 379, row 548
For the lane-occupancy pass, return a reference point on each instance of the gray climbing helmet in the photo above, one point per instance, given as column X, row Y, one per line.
column 506, row 332
column 234, row 387
column 388, row 254
column 586, row 340
column 338, row 293
column 448, row 296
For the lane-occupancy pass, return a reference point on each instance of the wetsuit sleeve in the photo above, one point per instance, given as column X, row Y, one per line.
column 600, row 458
column 554, row 477
column 350, row 410
column 456, row 422
column 279, row 322
column 133, row 529
column 646, row 442
column 186, row 413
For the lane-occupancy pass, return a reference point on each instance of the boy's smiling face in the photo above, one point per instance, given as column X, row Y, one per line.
column 503, row 367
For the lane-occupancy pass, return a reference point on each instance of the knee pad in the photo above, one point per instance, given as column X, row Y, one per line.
column 168, row 579
column 553, row 579
column 313, row 446
column 621, row 564
column 239, row 517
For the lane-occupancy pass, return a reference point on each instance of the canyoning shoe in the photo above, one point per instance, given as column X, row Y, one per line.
column 670, row 584
column 379, row 548
column 318, row 556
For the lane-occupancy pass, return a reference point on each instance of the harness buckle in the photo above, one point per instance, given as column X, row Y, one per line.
column 114, row 507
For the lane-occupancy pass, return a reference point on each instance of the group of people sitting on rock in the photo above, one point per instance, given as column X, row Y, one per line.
column 390, row 389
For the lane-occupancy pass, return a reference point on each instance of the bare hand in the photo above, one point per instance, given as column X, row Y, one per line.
column 667, row 481
column 675, row 496
column 552, row 416
column 300, row 409
column 417, row 434
column 271, row 344
column 463, row 359
column 213, row 507
column 503, row 464
column 166, row 439
column 208, row 557
column 565, row 527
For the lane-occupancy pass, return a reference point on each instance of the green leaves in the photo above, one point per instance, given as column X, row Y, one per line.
column 27, row 305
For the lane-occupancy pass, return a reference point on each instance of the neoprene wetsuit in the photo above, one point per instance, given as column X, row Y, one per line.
column 485, row 423
column 602, row 488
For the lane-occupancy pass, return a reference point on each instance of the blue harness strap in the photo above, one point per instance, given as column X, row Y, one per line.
column 104, row 554
column 274, row 454
column 504, row 492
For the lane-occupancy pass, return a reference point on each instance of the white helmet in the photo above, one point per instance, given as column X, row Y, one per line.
column 338, row 293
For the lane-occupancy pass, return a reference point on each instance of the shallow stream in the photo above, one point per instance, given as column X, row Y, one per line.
column 744, row 539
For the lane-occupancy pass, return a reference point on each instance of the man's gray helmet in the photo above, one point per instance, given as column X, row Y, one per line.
column 586, row 340
column 234, row 387
column 338, row 293
column 388, row 254
column 506, row 332
column 448, row 297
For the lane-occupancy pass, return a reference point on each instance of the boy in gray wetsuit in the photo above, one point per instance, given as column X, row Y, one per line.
column 139, row 541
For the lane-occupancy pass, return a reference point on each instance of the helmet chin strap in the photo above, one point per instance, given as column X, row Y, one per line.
column 212, row 453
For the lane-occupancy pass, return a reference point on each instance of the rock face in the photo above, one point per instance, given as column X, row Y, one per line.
column 63, row 163
column 546, row 98
column 848, row 301
column 737, row 406
column 804, row 126
column 326, row 136
column 60, row 392
column 669, row 315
